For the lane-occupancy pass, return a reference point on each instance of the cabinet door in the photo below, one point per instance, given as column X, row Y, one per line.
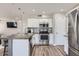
column 20, row 47
column 33, row 22
column 51, row 39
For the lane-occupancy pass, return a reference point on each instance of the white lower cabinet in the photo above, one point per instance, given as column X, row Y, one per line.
column 36, row 39
column 20, row 47
column 51, row 39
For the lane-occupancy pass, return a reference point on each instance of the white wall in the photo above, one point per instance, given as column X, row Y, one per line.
column 21, row 25
column 2, row 27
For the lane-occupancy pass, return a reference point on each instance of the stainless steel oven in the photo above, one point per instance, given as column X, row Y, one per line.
column 44, row 37
column 44, row 33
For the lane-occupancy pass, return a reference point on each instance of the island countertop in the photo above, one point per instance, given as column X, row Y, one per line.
column 23, row 36
column 18, row 36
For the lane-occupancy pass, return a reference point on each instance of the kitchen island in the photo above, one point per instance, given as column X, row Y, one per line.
column 18, row 45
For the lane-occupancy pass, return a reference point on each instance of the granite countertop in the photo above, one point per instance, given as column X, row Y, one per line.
column 23, row 36
column 18, row 36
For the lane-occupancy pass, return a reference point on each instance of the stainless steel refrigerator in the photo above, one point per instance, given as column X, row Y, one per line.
column 73, row 32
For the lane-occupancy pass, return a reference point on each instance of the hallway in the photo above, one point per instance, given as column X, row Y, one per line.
column 48, row 51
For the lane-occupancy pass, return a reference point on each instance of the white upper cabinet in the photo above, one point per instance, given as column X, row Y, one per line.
column 35, row 22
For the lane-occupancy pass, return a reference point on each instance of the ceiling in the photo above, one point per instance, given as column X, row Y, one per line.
column 17, row 10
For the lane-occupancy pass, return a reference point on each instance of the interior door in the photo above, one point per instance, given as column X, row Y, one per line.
column 61, row 36
column 60, row 29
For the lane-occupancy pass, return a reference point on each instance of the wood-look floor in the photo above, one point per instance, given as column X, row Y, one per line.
column 48, row 51
column 45, row 51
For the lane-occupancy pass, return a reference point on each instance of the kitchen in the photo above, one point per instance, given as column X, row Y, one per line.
column 25, row 27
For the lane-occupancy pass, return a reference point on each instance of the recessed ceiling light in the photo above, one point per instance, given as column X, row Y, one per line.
column 43, row 12
column 33, row 10
column 61, row 10
column 44, row 16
